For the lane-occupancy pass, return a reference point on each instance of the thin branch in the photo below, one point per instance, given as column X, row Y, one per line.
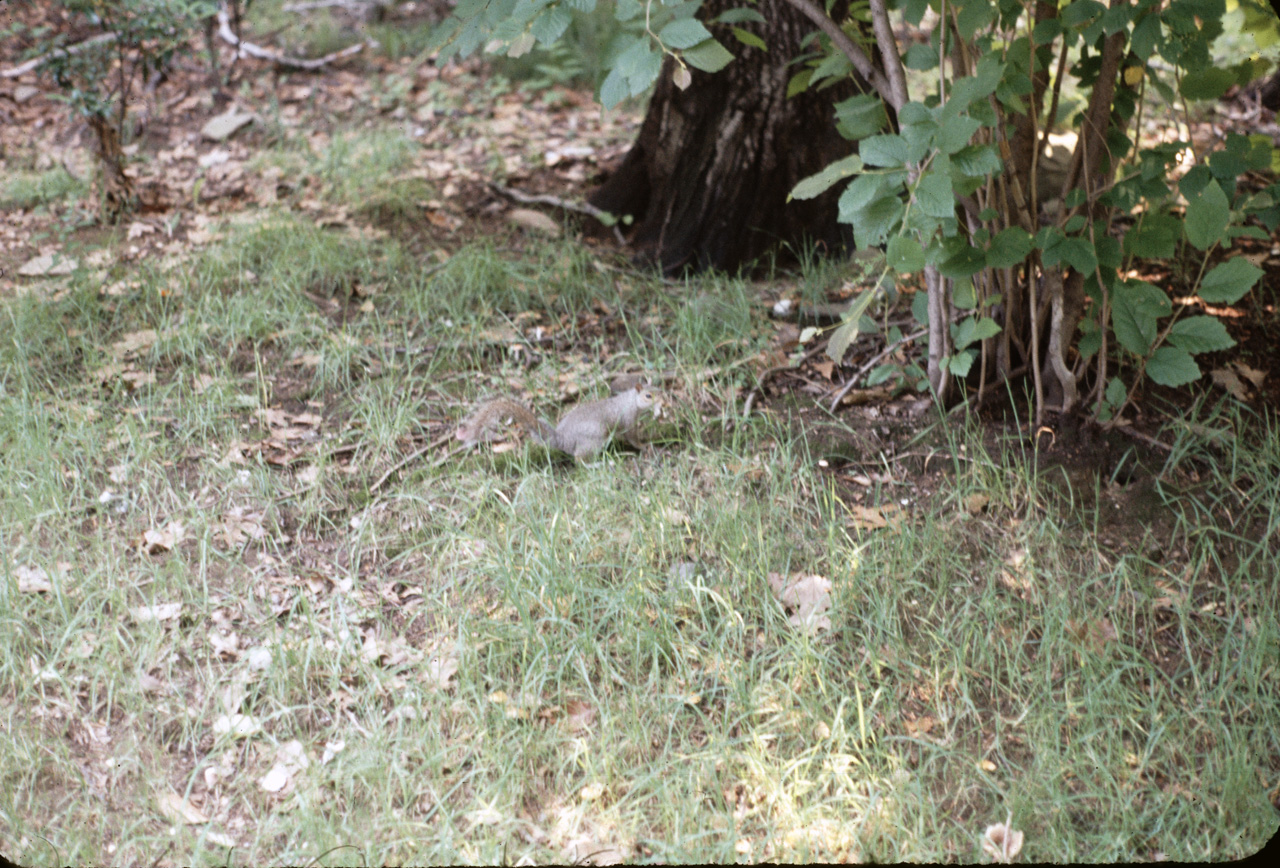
column 36, row 62
column 848, row 48
column 871, row 363
column 587, row 208
column 309, row 5
column 889, row 52
column 248, row 49
column 414, row 456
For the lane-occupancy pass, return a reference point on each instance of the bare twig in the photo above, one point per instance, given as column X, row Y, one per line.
column 248, row 49
column 769, row 372
column 871, row 363
column 564, row 204
column 889, row 53
column 36, row 62
column 848, row 48
column 309, row 5
column 414, row 456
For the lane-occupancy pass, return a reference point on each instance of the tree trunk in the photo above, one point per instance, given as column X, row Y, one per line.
column 707, row 179
column 116, row 196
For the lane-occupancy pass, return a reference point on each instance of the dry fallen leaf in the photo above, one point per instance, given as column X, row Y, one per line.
column 806, row 597
column 440, row 669
column 134, row 343
column 163, row 539
column 1002, row 842
column 535, row 220
column 32, row 580
column 178, row 810
column 237, row 725
column 159, row 612
column 48, row 265
column 240, row 524
column 580, row 715
column 275, row 780
column 874, row 517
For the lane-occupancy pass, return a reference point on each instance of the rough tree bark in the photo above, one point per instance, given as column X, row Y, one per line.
column 707, row 179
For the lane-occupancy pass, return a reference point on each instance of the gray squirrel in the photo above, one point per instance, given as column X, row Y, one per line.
column 581, row 432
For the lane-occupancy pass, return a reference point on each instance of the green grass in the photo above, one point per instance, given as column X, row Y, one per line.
column 501, row 657
column 27, row 190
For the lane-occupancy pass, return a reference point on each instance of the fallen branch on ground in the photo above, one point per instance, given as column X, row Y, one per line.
column 36, row 62
column 248, row 49
column 556, row 202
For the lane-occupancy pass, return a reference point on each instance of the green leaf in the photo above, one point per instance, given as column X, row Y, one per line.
column 975, row 16
column 1009, row 247
column 1146, row 34
column 977, row 161
column 634, row 57
column 1207, row 216
column 684, row 33
column 1116, row 392
column 1081, row 12
column 799, row 82
column 858, row 195
column 815, row 185
column 551, row 25
column 889, row 150
column 1090, row 339
column 746, row 37
column 1209, row 83
column 1228, row 282
column 522, row 45
column 920, row 308
column 1200, row 334
column 847, row 333
column 954, row 135
column 1136, row 308
column 1156, row 237
column 1078, row 253
column 860, row 116
column 972, row 329
column 979, row 85
column 921, row 58
column 1194, row 182
column 882, row 373
column 614, row 89
column 834, row 65
column 739, row 16
column 1046, row 31
column 960, row 364
column 645, row 74
column 877, row 220
column 1171, row 366
column 708, row 56
column 934, row 195
column 965, row 261
column 625, row 10
column 905, row 254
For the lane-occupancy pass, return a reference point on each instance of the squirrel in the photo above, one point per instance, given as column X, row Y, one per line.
column 581, row 432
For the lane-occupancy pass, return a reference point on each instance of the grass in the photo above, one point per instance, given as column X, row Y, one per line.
column 501, row 658
column 498, row 657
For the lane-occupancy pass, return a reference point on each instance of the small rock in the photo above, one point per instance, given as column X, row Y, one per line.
column 535, row 220
column 49, row 265
column 225, row 125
